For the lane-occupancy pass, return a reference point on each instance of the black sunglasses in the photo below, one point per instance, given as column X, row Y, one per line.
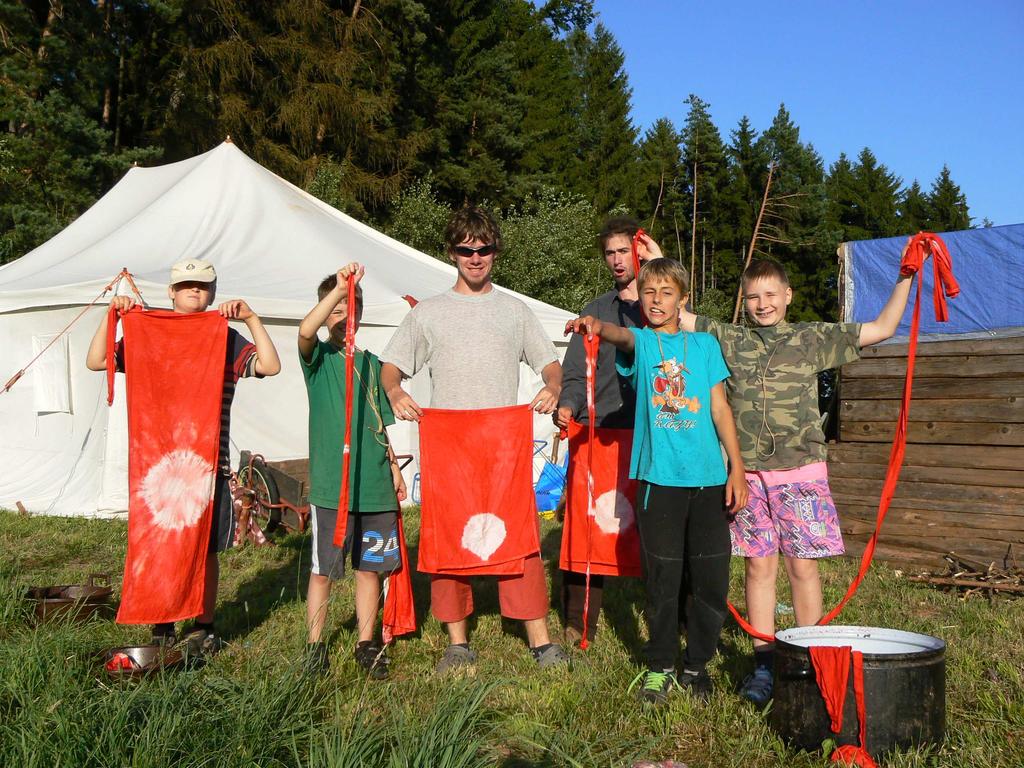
column 468, row 250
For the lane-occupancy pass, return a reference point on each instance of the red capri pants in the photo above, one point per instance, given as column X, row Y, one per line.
column 523, row 597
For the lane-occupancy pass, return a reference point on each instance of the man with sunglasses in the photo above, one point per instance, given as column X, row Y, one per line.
column 614, row 399
column 472, row 339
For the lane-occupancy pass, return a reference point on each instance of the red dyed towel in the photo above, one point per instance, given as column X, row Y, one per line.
column 174, row 373
column 832, row 672
column 605, row 536
column 399, row 608
column 479, row 515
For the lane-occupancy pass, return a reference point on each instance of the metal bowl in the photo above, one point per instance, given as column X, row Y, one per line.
column 133, row 661
column 77, row 601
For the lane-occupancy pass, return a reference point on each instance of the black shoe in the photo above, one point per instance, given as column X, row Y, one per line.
column 372, row 658
column 163, row 635
column 200, row 641
column 697, row 683
column 655, row 685
column 317, row 662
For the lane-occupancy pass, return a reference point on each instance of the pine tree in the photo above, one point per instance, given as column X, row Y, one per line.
column 662, row 179
column 878, row 196
column 947, row 205
column 296, row 84
column 56, row 156
column 706, row 173
column 914, row 213
column 606, row 135
column 748, row 170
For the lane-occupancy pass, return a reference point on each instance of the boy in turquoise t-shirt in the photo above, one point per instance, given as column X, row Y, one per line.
column 685, row 493
column 375, row 481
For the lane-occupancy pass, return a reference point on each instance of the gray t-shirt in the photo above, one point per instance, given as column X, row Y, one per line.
column 472, row 346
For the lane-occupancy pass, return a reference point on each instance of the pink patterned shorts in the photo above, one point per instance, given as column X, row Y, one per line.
column 791, row 511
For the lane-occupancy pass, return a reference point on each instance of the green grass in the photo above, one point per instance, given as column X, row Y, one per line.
column 251, row 706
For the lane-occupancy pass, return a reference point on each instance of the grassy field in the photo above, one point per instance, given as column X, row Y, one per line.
column 251, row 706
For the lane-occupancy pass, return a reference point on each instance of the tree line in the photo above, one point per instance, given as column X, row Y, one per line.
column 397, row 111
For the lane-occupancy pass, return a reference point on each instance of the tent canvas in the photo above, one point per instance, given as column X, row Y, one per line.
column 64, row 451
column 988, row 264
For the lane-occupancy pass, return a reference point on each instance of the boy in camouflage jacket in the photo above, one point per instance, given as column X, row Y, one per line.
column 773, row 391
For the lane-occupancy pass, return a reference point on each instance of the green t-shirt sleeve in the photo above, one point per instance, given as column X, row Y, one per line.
column 316, row 358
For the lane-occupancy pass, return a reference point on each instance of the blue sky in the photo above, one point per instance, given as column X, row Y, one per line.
column 920, row 83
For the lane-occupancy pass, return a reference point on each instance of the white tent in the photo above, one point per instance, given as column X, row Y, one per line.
column 63, row 450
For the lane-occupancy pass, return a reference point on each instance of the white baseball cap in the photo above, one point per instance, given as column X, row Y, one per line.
column 193, row 270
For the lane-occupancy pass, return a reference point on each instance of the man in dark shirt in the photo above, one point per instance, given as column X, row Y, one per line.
column 614, row 400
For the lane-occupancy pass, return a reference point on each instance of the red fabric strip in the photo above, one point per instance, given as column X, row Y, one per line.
column 399, row 607
column 112, row 320
column 636, row 271
column 831, row 673
column 848, row 754
column 341, row 526
column 912, row 263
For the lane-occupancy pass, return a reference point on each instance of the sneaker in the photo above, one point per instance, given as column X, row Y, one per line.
column 757, row 688
column 655, row 686
column 163, row 635
column 455, row 657
column 200, row 642
column 373, row 659
column 317, row 662
column 553, row 655
column 572, row 636
column 697, row 683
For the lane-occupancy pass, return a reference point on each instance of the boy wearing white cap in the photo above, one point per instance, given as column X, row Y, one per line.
column 192, row 288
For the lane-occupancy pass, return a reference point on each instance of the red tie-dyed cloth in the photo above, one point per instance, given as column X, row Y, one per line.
column 399, row 607
column 174, row 374
column 606, row 536
column 479, row 514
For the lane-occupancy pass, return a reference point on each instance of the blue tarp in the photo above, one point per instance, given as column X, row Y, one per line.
column 988, row 264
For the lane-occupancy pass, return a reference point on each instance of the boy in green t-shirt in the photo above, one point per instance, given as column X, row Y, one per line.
column 375, row 481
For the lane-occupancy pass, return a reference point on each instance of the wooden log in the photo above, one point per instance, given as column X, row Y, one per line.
column 966, row 456
column 1009, row 345
column 935, row 546
column 999, row 478
column 969, row 583
column 952, row 536
column 1000, row 410
column 973, row 366
column 843, row 496
column 932, row 519
column 892, row 388
column 932, row 491
column 932, row 432
column 896, row 555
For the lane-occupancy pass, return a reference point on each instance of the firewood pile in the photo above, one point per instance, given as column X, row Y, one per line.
column 972, row 577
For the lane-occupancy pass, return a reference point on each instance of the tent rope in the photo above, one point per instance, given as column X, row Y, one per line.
column 124, row 274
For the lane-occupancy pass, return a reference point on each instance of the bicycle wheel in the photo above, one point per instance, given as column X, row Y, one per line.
column 262, row 483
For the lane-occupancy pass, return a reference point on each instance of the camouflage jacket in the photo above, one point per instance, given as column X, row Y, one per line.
column 773, row 386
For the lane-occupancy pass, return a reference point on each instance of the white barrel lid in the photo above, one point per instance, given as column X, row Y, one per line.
column 877, row 641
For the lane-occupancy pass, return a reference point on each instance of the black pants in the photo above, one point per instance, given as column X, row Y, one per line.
column 574, row 589
column 683, row 530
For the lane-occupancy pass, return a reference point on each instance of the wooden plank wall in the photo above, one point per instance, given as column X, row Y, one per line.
column 962, row 484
